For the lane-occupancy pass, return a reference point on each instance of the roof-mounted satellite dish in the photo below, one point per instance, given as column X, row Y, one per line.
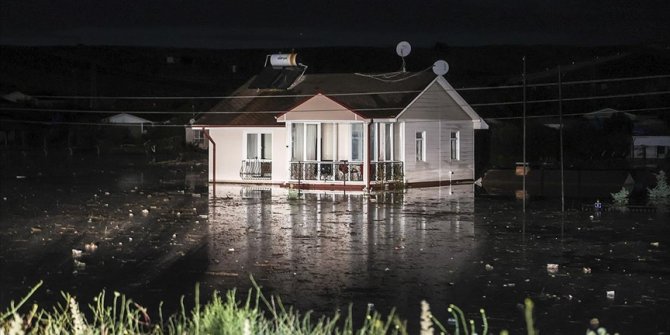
column 440, row 67
column 403, row 49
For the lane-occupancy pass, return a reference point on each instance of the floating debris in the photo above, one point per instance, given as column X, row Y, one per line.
column 552, row 268
column 488, row 267
column 610, row 294
column 90, row 247
column 655, row 244
column 222, row 274
column 79, row 265
column 76, row 253
column 145, row 212
column 586, row 270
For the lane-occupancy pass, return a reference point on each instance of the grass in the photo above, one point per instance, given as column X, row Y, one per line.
column 229, row 314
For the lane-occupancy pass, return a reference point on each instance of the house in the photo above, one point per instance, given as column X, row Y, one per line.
column 195, row 137
column 334, row 131
column 651, row 143
column 135, row 125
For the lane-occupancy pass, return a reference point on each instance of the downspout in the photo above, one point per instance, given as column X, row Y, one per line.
column 211, row 140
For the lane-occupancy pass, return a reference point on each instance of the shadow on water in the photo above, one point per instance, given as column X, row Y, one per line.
column 323, row 251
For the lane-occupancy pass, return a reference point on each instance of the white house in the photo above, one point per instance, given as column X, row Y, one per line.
column 334, row 131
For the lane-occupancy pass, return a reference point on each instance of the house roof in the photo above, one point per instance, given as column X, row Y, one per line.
column 125, row 118
column 363, row 94
column 608, row 113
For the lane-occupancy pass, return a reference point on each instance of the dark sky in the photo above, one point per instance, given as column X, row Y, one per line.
column 292, row 23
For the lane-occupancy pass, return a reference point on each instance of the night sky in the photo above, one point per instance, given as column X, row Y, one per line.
column 292, row 23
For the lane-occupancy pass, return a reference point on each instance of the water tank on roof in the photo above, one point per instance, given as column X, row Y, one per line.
column 284, row 59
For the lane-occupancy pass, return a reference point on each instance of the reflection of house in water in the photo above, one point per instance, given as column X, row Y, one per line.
column 333, row 246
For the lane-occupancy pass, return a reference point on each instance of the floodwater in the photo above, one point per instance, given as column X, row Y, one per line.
column 159, row 228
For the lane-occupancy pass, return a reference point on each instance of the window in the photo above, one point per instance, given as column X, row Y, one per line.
column 259, row 146
column 381, row 135
column 297, row 141
column 327, row 141
column 198, row 136
column 357, row 142
column 388, row 143
column 455, row 146
column 420, row 146
column 660, row 152
column 313, row 141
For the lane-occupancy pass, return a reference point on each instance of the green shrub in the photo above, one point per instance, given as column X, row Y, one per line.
column 621, row 197
column 661, row 190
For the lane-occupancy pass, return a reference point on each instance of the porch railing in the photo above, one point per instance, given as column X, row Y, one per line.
column 327, row 171
column 256, row 169
column 391, row 171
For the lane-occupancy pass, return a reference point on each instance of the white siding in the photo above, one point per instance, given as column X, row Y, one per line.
column 439, row 165
column 435, row 104
column 230, row 151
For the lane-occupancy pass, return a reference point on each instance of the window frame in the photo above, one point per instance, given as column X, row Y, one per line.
column 455, row 145
column 260, row 145
column 420, row 142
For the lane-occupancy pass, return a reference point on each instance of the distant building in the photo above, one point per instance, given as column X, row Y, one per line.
column 651, row 142
column 135, row 125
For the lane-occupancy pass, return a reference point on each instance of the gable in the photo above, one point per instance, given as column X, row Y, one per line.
column 319, row 107
column 440, row 101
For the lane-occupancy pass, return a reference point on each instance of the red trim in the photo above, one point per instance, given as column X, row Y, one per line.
column 326, row 187
column 238, row 126
column 438, row 183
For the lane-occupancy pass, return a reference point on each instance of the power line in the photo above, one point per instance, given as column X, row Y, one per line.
column 89, row 111
column 579, row 82
column 505, row 103
column 597, row 97
column 575, row 114
column 55, row 123
column 51, row 123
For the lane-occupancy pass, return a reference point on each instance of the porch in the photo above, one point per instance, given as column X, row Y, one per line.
column 345, row 171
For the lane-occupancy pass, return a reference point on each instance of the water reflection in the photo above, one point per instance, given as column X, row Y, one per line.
column 325, row 250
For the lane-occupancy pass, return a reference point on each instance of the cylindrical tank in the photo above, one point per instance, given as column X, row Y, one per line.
column 284, row 59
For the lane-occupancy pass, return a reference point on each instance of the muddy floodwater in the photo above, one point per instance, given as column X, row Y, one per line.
column 152, row 231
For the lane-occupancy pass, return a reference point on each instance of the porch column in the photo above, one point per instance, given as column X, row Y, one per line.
column 368, row 154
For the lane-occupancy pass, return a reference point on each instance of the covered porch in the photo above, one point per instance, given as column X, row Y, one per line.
column 335, row 154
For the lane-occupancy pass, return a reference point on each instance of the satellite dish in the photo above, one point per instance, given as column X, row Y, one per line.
column 440, row 67
column 403, row 49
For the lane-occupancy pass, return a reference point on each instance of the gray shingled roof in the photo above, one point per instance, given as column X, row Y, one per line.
column 263, row 106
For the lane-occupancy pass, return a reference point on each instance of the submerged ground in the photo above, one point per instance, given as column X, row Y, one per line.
column 159, row 228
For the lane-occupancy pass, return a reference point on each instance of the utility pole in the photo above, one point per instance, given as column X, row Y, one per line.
column 560, row 135
column 524, row 134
